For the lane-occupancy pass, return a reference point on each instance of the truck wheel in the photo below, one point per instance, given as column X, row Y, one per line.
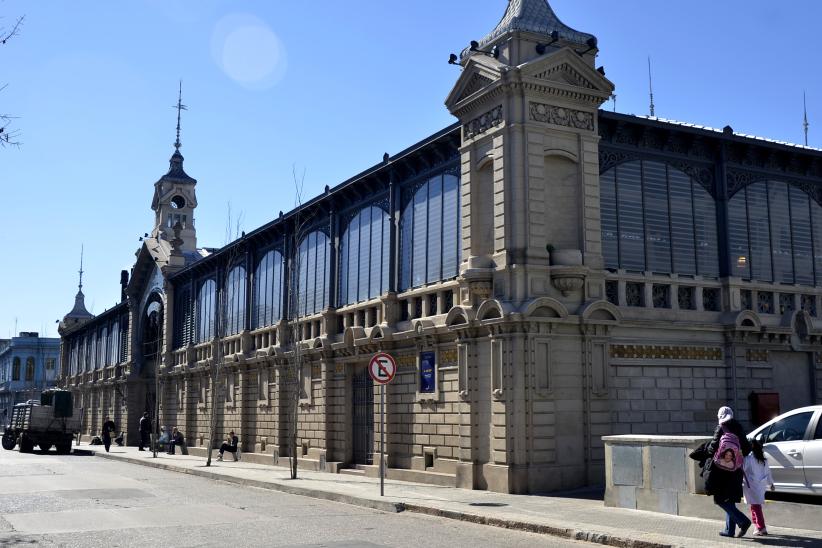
column 26, row 445
column 9, row 442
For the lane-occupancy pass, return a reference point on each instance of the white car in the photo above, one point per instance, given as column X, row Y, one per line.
column 793, row 445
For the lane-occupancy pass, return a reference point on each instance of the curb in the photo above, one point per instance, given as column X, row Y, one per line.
column 396, row 507
column 383, row 506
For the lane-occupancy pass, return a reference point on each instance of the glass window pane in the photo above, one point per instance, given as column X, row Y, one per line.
column 816, row 227
column 738, row 242
column 379, row 252
column 790, row 428
column 364, row 259
column 434, row 266
column 780, row 217
column 420, row 236
column 631, row 229
column 657, row 229
column 450, row 226
column 682, row 222
column 608, row 214
column 801, row 235
column 760, row 233
column 406, row 246
column 707, row 248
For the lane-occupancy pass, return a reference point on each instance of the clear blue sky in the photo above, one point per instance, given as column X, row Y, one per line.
column 325, row 86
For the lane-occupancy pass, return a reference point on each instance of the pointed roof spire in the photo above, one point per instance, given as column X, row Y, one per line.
column 534, row 16
column 79, row 310
column 805, row 124
column 175, row 168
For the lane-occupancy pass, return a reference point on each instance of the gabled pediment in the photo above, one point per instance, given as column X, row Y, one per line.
column 152, row 255
column 566, row 68
column 480, row 72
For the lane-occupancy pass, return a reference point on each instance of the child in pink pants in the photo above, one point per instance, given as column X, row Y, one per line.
column 757, row 480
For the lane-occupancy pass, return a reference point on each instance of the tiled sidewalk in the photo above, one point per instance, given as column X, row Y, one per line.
column 567, row 517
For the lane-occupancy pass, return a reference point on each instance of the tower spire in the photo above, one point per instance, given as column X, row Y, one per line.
column 651, row 88
column 180, row 107
column 805, row 124
column 80, row 286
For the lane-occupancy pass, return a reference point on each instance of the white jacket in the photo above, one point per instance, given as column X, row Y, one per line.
column 757, row 480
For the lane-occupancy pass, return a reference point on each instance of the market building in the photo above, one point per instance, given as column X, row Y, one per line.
column 543, row 271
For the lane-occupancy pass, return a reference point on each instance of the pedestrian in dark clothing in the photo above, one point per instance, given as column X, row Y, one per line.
column 230, row 445
column 145, row 430
column 724, row 480
column 108, row 429
column 176, row 440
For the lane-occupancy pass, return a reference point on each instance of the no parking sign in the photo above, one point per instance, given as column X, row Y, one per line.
column 382, row 368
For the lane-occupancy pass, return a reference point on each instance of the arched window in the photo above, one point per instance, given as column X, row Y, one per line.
column 429, row 233
column 15, row 369
column 103, row 350
column 364, row 256
column 206, row 303
column 657, row 218
column 775, row 234
column 114, row 343
column 268, row 290
column 235, row 301
column 30, row 368
column 314, row 269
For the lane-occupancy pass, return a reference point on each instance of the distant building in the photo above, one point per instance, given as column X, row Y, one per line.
column 544, row 272
column 28, row 364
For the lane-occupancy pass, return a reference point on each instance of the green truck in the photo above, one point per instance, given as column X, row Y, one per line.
column 51, row 422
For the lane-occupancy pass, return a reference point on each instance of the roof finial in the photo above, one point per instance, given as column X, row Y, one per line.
column 80, row 286
column 651, row 87
column 180, row 107
column 805, row 124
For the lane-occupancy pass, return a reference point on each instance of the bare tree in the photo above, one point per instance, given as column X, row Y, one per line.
column 294, row 364
column 221, row 320
column 8, row 135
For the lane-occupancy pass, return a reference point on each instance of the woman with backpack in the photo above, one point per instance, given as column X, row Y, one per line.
column 727, row 450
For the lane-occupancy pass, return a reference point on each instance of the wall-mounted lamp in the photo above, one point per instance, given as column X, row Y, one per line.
column 493, row 52
column 591, row 43
column 742, row 261
column 542, row 47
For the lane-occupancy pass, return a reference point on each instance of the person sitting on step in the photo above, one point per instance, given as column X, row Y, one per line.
column 230, row 445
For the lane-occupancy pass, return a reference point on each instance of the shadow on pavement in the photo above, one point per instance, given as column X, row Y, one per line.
column 786, row 540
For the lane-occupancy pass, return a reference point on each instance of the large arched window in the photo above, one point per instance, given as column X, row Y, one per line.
column 30, row 368
column 15, row 369
column 313, row 274
column 114, row 344
column 364, row 256
column 429, row 233
column 657, row 218
column 775, row 234
column 206, row 310
column 235, row 301
column 268, row 290
column 103, row 348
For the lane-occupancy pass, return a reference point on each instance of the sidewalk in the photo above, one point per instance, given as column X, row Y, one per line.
column 573, row 518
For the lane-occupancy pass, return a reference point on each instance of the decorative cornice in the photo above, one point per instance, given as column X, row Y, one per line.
column 648, row 352
column 561, row 116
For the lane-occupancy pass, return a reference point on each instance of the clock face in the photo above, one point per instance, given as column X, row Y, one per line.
column 178, row 202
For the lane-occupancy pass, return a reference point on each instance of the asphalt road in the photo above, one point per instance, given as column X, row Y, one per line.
column 51, row 500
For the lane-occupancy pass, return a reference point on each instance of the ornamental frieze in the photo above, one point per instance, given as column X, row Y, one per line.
column 648, row 352
column 448, row 357
column 756, row 355
column 561, row 116
column 483, row 123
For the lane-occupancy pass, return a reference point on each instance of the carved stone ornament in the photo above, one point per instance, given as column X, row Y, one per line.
column 483, row 123
column 561, row 116
column 481, row 289
column 567, row 279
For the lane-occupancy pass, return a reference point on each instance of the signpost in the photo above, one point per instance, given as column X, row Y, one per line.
column 382, row 369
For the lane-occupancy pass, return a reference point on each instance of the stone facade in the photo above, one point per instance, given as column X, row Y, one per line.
column 542, row 345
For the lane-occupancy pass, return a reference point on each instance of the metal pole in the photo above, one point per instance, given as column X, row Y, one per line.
column 382, row 441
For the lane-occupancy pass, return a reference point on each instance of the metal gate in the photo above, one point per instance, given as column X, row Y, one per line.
column 363, row 417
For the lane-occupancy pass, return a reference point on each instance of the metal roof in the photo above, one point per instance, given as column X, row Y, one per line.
column 533, row 16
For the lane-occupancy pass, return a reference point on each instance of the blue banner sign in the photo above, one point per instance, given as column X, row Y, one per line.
column 428, row 369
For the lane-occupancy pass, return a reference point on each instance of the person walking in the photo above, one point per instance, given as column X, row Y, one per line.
column 727, row 449
column 757, row 479
column 108, row 429
column 145, row 430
